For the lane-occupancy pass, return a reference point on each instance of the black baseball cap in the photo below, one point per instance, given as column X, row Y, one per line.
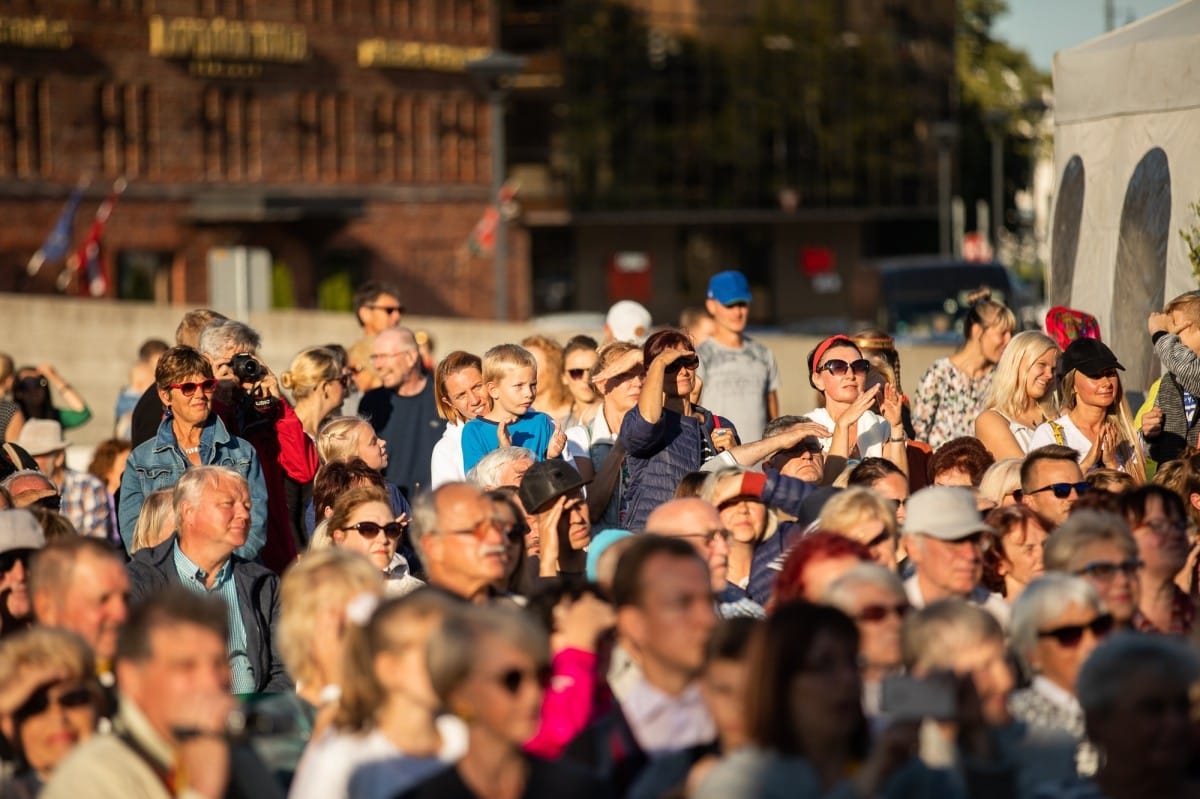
column 1089, row 356
column 545, row 482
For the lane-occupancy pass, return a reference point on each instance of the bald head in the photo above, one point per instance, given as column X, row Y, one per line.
column 697, row 522
column 395, row 357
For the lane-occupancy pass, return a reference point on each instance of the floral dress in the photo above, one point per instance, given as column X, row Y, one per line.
column 947, row 403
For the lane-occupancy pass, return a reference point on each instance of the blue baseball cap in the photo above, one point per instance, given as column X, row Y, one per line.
column 729, row 287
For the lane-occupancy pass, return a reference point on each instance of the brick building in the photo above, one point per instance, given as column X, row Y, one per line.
column 342, row 137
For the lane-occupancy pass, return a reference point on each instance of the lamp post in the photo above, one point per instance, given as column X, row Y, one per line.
column 997, row 123
column 944, row 134
column 491, row 73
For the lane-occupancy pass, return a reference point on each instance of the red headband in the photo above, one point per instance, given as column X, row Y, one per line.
column 824, row 346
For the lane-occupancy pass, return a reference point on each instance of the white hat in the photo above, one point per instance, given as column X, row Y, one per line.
column 41, row 437
column 628, row 321
column 943, row 512
column 19, row 529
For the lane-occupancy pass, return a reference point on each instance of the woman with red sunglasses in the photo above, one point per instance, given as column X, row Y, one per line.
column 190, row 434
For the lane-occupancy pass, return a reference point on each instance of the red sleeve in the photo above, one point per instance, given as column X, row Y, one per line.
column 297, row 453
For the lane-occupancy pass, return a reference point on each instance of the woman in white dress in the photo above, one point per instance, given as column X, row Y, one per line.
column 1021, row 396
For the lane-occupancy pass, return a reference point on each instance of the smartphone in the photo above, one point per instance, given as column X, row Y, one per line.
column 910, row 699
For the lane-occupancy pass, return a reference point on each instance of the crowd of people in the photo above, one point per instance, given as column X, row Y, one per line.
column 613, row 568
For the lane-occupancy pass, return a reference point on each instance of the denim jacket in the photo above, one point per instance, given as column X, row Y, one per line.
column 160, row 462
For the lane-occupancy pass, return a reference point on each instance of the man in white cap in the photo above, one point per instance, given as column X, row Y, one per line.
column 627, row 321
column 20, row 537
column 84, row 497
column 945, row 538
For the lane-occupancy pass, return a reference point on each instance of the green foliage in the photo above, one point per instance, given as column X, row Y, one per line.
column 1191, row 239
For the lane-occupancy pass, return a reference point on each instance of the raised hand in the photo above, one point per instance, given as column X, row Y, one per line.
column 558, row 442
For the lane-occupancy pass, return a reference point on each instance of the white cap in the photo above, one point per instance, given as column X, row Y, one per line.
column 628, row 321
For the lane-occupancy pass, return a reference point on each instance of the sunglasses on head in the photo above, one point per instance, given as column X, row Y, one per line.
column 392, row 530
column 1106, row 570
column 10, row 559
column 513, row 679
column 837, row 367
column 688, row 362
column 188, row 389
column 577, row 374
column 1071, row 634
column 40, row 702
column 1061, row 490
column 881, row 612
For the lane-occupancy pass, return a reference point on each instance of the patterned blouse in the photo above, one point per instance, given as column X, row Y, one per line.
column 947, row 402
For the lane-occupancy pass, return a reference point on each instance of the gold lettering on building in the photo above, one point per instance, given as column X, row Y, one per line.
column 218, row 39
column 35, row 33
column 398, row 54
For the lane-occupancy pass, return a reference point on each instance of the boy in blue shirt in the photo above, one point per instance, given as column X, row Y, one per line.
column 510, row 377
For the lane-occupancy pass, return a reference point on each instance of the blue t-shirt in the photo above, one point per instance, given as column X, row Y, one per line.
column 532, row 431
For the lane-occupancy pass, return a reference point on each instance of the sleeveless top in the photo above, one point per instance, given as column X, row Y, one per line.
column 1020, row 432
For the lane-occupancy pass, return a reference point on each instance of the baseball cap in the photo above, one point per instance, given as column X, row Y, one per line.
column 1087, row 355
column 729, row 287
column 628, row 321
column 19, row 529
column 943, row 512
column 41, row 437
column 546, row 481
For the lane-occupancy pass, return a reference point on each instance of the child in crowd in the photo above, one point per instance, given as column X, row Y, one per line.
column 510, row 376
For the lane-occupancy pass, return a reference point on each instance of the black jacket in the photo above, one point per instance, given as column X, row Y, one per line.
column 258, row 598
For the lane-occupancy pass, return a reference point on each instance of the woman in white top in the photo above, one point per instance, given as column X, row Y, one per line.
column 460, row 396
column 1021, row 396
column 386, row 734
column 1097, row 423
column 838, row 371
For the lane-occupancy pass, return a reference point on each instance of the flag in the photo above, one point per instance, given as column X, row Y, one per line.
column 88, row 264
column 58, row 243
column 482, row 239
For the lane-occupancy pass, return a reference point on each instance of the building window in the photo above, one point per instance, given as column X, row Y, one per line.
column 144, row 275
column 24, row 129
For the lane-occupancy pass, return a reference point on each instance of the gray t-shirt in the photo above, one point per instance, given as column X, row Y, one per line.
column 736, row 384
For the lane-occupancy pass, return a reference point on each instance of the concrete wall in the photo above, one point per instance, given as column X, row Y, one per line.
column 92, row 343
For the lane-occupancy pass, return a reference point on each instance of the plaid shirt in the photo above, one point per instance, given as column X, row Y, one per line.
column 85, row 504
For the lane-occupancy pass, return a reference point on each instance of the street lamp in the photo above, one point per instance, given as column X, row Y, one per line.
column 944, row 135
column 491, row 73
column 997, row 120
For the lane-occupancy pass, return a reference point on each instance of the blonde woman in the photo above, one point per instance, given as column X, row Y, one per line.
column 863, row 515
column 952, row 391
column 386, row 734
column 1021, row 397
column 1000, row 483
column 156, row 521
column 1097, row 423
column 363, row 521
column 313, row 597
column 318, row 382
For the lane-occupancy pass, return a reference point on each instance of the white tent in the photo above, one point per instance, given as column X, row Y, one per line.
column 1127, row 159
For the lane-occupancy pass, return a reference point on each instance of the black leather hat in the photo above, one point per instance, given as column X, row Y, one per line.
column 545, row 482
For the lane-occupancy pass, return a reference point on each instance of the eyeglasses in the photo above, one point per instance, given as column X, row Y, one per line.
column 577, row 374
column 515, row 533
column 382, row 356
column 480, row 530
column 710, row 536
column 188, row 389
column 12, row 557
column 370, row 529
column 1061, row 490
column 41, row 701
column 1163, row 527
column 875, row 613
column 1071, row 634
column 1103, row 571
column 346, row 380
column 388, row 309
column 897, row 504
column 512, row 680
column 688, row 362
column 883, row 536
column 837, row 367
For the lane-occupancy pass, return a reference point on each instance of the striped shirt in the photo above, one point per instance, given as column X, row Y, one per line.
column 224, row 588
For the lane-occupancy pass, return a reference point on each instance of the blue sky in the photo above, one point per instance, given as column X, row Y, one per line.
column 1042, row 27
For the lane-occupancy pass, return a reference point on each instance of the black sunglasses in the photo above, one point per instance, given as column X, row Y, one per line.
column 1106, row 570
column 188, row 389
column 12, row 557
column 513, row 679
column 881, row 612
column 690, row 362
column 837, row 367
column 371, row 529
column 577, row 374
column 40, row 701
column 52, row 502
column 1072, row 634
column 387, row 309
column 515, row 533
column 1061, row 490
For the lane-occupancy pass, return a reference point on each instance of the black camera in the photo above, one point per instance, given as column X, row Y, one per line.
column 246, row 368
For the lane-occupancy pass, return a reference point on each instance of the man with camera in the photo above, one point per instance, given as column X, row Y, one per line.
column 250, row 404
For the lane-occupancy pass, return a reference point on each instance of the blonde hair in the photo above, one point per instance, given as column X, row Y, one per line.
column 1117, row 413
column 319, row 580
column 985, row 313
column 845, row 509
column 1001, row 478
column 351, row 501
column 1187, row 304
column 1007, row 393
column 157, row 509
column 45, row 649
column 710, row 491
column 337, row 439
column 309, row 370
column 499, row 360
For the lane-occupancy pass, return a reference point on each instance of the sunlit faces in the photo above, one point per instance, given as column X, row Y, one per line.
column 1039, row 376
column 1162, row 541
column 946, row 568
column 1022, row 548
column 805, row 461
column 371, row 448
column 375, row 543
column 894, row 487
column 220, row 515
column 575, row 521
column 188, row 410
column 993, row 339
column 1059, row 660
column 465, row 391
column 821, row 573
column 745, row 518
column 1113, row 572
column 730, row 317
column 467, row 552
column 680, row 376
column 672, row 622
column 1047, row 472
column 843, row 388
column 1187, row 329
column 879, row 613
column 577, row 375
column 55, row 719
column 516, row 390
column 1097, row 392
column 504, row 691
column 94, row 605
column 622, row 392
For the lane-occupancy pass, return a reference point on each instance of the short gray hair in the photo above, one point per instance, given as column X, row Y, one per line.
column 455, row 646
column 841, row 592
column 1085, row 527
column 220, row 334
column 1105, row 676
column 781, row 424
column 196, row 480
column 425, row 514
column 486, row 473
column 934, row 632
column 1044, row 600
column 708, row 488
